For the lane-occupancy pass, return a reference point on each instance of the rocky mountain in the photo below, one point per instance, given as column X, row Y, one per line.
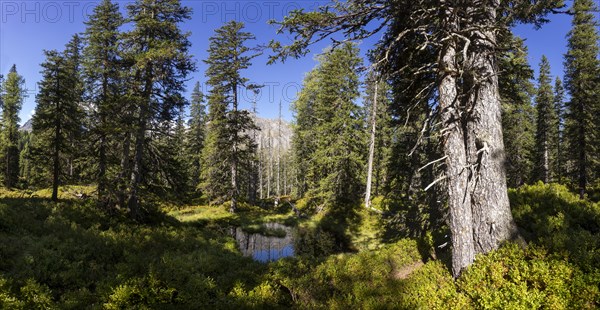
column 27, row 126
column 269, row 131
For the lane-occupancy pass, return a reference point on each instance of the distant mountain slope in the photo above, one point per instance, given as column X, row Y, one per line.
column 269, row 131
column 27, row 126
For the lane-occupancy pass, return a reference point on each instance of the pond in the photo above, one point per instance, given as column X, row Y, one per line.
column 265, row 248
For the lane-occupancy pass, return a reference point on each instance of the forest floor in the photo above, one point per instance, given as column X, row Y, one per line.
column 71, row 255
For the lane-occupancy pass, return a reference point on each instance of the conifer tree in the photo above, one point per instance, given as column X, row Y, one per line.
column 195, row 135
column 76, row 143
column 546, row 124
column 582, row 71
column 229, row 146
column 518, row 114
column 102, row 66
column 328, row 116
column 57, row 115
column 303, row 144
column 159, row 60
column 13, row 94
column 559, row 108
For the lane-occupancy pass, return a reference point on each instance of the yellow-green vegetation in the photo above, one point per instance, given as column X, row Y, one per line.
column 70, row 255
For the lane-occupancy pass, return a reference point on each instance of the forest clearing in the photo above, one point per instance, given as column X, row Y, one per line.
column 355, row 154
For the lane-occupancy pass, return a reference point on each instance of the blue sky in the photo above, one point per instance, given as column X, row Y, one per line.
column 27, row 27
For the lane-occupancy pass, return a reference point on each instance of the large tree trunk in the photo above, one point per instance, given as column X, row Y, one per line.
column 457, row 172
column 492, row 219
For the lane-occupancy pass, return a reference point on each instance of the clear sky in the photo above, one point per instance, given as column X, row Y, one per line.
column 27, row 27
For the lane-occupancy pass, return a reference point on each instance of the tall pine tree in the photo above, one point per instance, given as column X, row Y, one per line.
column 57, row 115
column 331, row 123
column 195, row 135
column 229, row 146
column 102, row 66
column 159, row 60
column 582, row 71
column 559, row 143
column 13, row 94
column 518, row 114
column 546, row 124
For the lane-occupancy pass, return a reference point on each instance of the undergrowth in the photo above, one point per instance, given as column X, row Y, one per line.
column 71, row 255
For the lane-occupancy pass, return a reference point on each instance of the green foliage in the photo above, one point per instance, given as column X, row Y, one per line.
column 518, row 114
column 582, row 68
column 12, row 94
column 528, row 279
column 101, row 67
column 229, row 150
column 347, row 280
column 57, row 119
column 552, row 216
column 327, row 144
column 94, row 260
column 546, row 135
column 195, row 135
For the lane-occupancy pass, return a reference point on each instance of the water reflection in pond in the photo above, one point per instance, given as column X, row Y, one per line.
column 265, row 248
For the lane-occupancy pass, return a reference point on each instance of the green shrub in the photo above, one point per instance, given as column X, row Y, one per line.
column 552, row 216
column 513, row 278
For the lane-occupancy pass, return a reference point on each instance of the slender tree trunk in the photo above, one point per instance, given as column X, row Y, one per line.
column 124, row 168
column 234, row 155
column 136, row 173
column 56, row 155
column 140, row 137
column 371, row 147
column 270, row 167
column 582, row 165
column 102, row 146
column 457, row 172
column 260, row 169
column 279, row 152
column 546, row 164
column 492, row 219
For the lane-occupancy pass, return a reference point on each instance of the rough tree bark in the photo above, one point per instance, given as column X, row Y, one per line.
column 457, row 172
column 492, row 219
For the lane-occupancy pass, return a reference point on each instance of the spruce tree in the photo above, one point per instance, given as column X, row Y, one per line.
column 75, row 137
column 13, row 94
column 229, row 146
column 57, row 115
column 518, row 114
column 159, row 61
column 333, row 122
column 303, row 144
column 582, row 71
column 546, row 124
column 560, row 151
column 102, row 65
column 195, row 135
